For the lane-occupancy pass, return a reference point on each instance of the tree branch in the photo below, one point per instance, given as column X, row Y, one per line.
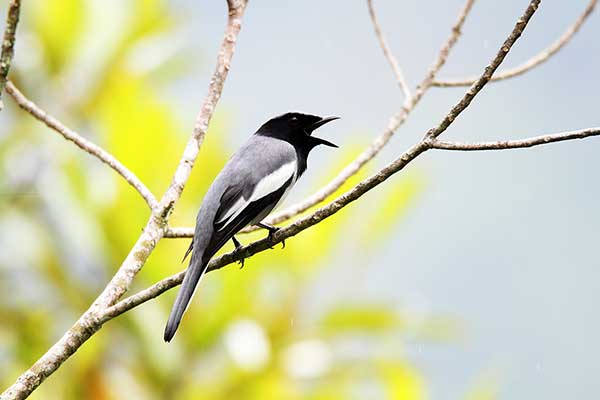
column 84, row 144
column 91, row 321
column 533, row 62
column 374, row 148
column 342, row 201
column 8, row 43
column 388, row 53
column 479, row 84
column 516, row 144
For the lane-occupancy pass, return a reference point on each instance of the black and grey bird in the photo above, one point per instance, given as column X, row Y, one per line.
column 252, row 183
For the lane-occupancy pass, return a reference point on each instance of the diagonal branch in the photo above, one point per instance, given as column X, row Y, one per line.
column 8, row 43
column 184, row 169
column 91, row 321
column 353, row 194
column 370, row 152
column 517, row 144
column 533, row 62
column 480, row 83
column 81, row 142
column 388, row 53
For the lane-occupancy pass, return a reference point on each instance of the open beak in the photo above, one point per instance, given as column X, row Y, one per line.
column 317, row 125
column 322, row 122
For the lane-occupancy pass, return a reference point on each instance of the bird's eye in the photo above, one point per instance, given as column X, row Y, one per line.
column 294, row 119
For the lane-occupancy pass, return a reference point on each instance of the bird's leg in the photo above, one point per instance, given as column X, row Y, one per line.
column 237, row 247
column 272, row 229
column 236, row 242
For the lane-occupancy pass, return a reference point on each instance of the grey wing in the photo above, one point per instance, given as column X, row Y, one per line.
column 251, row 184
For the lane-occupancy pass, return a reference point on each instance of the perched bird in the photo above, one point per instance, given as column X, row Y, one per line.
column 252, row 183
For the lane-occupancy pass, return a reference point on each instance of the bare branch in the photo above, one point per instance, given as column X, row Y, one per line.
column 533, row 62
column 151, row 292
column 487, row 73
column 179, row 232
column 236, row 9
column 81, row 142
column 91, row 321
column 388, row 54
column 346, row 198
column 8, row 43
column 517, row 144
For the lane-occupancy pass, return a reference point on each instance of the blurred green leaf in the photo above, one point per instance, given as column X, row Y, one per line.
column 360, row 317
column 402, row 381
column 57, row 25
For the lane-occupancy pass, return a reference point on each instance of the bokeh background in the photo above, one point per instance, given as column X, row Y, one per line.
column 468, row 276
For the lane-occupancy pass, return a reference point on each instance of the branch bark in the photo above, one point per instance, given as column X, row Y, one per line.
column 517, row 144
column 533, row 62
column 8, row 43
column 387, row 52
column 91, row 320
column 81, row 142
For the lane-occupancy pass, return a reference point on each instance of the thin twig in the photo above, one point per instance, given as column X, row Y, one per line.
column 533, row 62
column 518, row 143
column 480, row 83
column 8, row 43
column 374, row 148
column 81, row 142
column 91, row 321
column 179, row 232
column 388, row 53
column 342, row 201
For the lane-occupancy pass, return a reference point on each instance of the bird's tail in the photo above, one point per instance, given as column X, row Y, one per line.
column 190, row 282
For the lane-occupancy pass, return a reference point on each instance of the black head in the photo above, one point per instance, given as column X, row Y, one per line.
column 296, row 128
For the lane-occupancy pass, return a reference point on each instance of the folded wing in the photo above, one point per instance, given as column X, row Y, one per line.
column 242, row 204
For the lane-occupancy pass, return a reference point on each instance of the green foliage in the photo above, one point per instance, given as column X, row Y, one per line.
column 367, row 318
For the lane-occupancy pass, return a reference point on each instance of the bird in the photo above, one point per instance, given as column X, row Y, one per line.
column 252, row 183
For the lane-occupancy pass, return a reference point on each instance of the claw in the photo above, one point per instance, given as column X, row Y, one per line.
column 271, row 233
column 238, row 245
column 272, row 230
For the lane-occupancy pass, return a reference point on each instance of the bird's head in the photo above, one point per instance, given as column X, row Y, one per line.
column 296, row 128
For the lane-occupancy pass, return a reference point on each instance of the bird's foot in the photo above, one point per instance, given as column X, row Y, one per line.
column 272, row 230
column 238, row 245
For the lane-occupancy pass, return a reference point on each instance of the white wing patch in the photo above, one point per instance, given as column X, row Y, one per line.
column 267, row 185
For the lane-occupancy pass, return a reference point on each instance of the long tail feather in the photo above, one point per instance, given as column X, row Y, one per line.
column 188, row 287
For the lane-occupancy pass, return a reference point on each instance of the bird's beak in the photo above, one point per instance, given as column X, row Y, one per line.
column 318, row 124
column 322, row 122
